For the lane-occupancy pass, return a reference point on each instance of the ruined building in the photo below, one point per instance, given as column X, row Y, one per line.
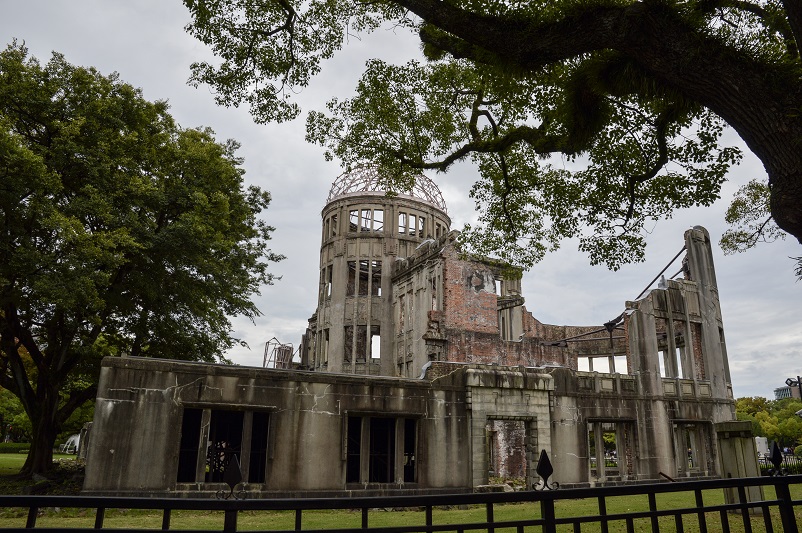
column 422, row 371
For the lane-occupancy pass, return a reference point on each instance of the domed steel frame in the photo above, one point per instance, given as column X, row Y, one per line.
column 367, row 179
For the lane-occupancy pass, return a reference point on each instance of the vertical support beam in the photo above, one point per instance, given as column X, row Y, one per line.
column 245, row 455
column 598, row 439
column 203, row 443
column 364, row 448
column 398, row 456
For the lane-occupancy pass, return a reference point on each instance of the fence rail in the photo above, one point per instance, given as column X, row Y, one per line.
column 781, row 512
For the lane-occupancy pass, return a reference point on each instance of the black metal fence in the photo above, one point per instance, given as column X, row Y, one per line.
column 717, row 505
column 790, row 463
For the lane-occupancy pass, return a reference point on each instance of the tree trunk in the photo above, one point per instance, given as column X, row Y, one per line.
column 44, row 433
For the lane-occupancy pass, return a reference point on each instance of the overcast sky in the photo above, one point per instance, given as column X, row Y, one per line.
column 144, row 41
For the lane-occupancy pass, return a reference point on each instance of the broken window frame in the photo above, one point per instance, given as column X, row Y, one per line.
column 380, row 449
column 601, row 465
column 210, row 438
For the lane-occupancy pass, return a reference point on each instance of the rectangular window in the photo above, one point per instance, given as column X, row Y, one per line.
column 363, row 277
column 402, row 223
column 412, row 225
column 421, row 226
column 376, row 275
column 381, row 455
column 375, row 343
column 225, row 442
column 258, row 463
column 354, row 450
column 222, row 444
column 188, row 451
column 333, row 226
column 329, row 272
column 353, row 220
column 348, row 343
column 378, row 220
column 350, row 289
column 367, row 220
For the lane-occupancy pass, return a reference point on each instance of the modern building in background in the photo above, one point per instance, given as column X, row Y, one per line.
column 422, row 371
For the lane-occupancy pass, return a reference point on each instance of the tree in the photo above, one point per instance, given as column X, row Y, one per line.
column 585, row 118
column 774, row 419
column 121, row 233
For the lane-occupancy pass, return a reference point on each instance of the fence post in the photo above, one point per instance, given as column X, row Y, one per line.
column 547, row 514
column 32, row 513
column 230, row 523
column 786, row 506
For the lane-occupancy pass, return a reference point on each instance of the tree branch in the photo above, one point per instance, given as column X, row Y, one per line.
column 793, row 9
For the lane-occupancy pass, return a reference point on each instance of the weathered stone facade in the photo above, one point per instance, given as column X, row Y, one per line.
column 467, row 386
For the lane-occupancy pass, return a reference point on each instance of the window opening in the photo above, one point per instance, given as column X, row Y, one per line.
column 601, row 364
column 376, row 273
column 348, row 343
column 693, row 462
column 367, row 220
column 352, row 279
column 381, row 456
column 606, row 449
column 402, row 223
column 258, row 447
column 375, row 343
column 334, row 225
column 610, row 439
column 378, row 220
column 225, row 442
column 421, row 226
column 364, row 275
column 661, row 360
column 382, row 450
column 412, row 225
column 410, row 445
column 353, row 220
column 354, row 450
column 188, row 449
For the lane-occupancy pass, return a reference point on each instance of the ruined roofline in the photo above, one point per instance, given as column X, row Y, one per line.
column 367, row 181
column 432, row 247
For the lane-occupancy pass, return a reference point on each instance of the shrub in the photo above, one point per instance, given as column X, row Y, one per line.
column 14, row 447
column 798, row 451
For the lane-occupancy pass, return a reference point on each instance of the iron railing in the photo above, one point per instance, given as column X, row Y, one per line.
column 550, row 510
column 790, row 463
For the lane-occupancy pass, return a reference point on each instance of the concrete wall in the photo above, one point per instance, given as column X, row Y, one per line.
column 138, row 422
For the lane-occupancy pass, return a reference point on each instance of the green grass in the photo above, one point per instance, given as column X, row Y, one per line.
column 351, row 520
column 11, row 463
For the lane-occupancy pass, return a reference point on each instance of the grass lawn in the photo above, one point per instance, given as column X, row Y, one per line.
column 10, row 463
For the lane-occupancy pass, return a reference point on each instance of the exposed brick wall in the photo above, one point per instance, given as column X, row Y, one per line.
column 470, row 299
